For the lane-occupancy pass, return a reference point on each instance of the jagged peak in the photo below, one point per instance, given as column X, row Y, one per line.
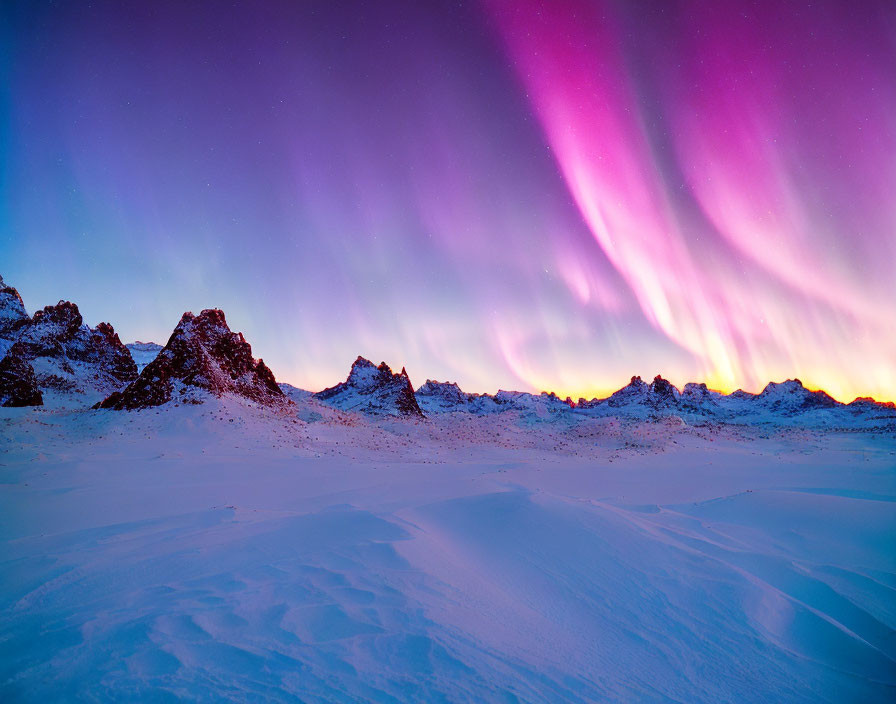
column 662, row 387
column 203, row 353
column 373, row 389
column 64, row 311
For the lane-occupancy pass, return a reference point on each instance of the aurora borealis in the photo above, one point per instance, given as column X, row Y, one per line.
column 509, row 194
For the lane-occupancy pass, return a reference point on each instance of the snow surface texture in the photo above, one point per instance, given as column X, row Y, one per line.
column 235, row 552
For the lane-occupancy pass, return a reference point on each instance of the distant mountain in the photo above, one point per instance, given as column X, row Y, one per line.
column 54, row 358
column 442, row 397
column 373, row 390
column 73, row 364
column 639, row 396
column 202, row 358
column 447, row 397
column 789, row 397
column 863, row 403
column 143, row 353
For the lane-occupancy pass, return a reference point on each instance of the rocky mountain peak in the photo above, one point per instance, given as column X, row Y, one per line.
column 697, row 394
column 441, row 396
column 104, row 348
column 662, row 390
column 791, row 396
column 635, row 391
column 373, row 389
column 51, row 329
column 202, row 356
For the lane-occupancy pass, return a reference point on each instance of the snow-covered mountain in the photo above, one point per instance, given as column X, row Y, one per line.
column 788, row 402
column 447, row 397
column 789, row 397
column 374, row 390
column 442, row 397
column 74, row 365
column 203, row 358
column 638, row 398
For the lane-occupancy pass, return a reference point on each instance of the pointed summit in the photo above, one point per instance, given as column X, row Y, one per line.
column 203, row 357
column 634, row 392
column 374, row 390
column 662, row 392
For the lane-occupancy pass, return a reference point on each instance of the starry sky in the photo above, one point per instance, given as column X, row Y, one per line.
column 504, row 193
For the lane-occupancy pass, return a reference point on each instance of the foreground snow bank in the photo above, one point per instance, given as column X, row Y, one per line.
column 224, row 552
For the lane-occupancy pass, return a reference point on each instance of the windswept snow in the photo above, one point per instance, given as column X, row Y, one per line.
column 242, row 553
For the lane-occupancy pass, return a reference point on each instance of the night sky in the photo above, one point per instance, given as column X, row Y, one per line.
column 516, row 195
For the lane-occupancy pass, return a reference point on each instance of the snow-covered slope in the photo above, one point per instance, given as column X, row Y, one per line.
column 374, row 390
column 232, row 551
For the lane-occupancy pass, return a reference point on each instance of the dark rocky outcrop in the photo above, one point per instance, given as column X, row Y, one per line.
column 18, row 384
column 373, row 389
column 202, row 356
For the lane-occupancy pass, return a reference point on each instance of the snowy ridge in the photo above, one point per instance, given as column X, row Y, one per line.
column 373, row 389
column 78, row 366
column 788, row 403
